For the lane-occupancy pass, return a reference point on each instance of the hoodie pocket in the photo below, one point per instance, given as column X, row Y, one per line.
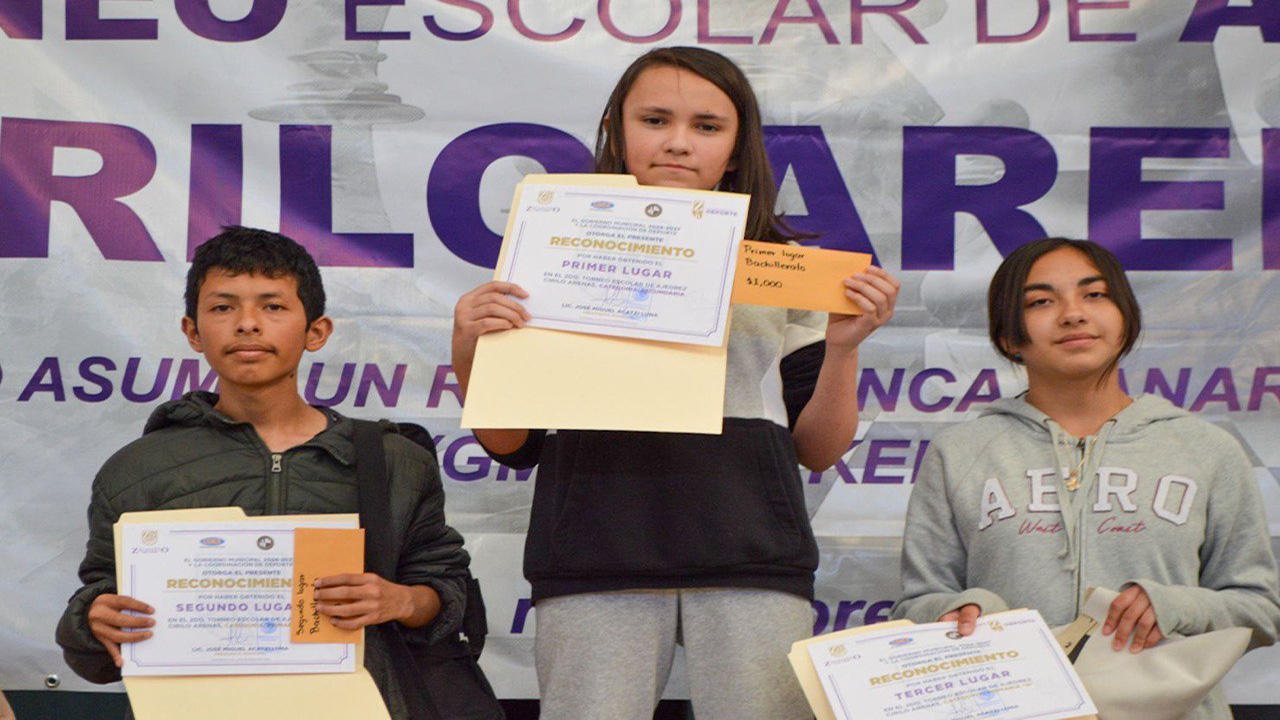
column 668, row 504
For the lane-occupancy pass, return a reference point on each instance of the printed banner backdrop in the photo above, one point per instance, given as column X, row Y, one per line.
column 387, row 137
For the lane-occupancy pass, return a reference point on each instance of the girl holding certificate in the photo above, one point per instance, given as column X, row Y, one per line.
column 639, row 541
column 1075, row 484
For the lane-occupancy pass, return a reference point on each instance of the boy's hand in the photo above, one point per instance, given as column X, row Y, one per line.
column 965, row 618
column 354, row 601
column 107, row 622
column 1132, row 613
column 876, row 292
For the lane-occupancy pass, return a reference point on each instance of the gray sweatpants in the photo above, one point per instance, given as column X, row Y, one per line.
column 607, row 656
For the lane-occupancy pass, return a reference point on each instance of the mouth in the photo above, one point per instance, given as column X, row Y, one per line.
column 1077, row 340
column 249, row 351
column 673, row 166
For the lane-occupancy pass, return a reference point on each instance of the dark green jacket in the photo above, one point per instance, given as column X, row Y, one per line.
column 191, row 456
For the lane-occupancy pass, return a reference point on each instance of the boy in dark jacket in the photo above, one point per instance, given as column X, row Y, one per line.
column 254, row 303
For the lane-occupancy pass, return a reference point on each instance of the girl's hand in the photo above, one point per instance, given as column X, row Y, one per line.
column 876, row 292
column 112, row 625
column 965, row 617
column 488, row 308
column 1132, row 613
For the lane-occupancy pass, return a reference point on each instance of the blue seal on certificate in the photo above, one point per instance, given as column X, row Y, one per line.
column 268, row 627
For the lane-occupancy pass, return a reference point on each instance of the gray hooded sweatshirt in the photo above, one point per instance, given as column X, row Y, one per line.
column 1164, row 500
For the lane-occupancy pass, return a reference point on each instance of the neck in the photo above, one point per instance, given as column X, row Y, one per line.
column 1080, row 405
column 269, row 409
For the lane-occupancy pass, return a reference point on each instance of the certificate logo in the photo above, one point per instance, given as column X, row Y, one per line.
column 954, row 635
column 838, row 651
column 653, row 209
column 995, row 626
column 150, row 537
column 699, row 208
column 266, row 542
column 602, row 205
column 212, row 542
column 546, row 196
column 899, row 642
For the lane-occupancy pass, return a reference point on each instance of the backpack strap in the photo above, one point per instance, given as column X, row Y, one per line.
column 374, row 487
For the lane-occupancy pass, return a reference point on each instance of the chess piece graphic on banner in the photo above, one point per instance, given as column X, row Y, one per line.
column 338, row 86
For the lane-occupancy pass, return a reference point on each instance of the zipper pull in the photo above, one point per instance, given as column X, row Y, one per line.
column 275, row 463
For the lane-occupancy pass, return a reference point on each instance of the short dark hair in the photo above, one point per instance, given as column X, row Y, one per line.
column 239, row 250
column 1005, row 306
column 753, row 175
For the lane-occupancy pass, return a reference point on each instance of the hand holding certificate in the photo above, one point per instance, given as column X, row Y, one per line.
column 1010, row 667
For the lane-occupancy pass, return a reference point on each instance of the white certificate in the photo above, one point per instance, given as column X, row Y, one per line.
column 1010, row 668
column 222, row 594
column 639, row 262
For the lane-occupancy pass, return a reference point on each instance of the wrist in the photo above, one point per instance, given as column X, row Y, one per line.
column 840, row 355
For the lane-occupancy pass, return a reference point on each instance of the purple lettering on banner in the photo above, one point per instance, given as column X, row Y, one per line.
column 1075, row 7
column 444, row 382
column 217, row 182
column 1261, row 388
column 479, row 462
column 915, row 392
column 840, row 466
column 505, row 473
column 986, row 380
column 1271, row 199
column 857, row 9
column 844, row 613
column 311, row 393
column 371, row 379
column 22, row 19
column 820, row 616
column 188, row 379
column 984, row 25
column 88, row 374
column 517, row 21
column 1221, row 388
column 28, row 186
column 352, row 26
column 1118, row 196
column 1157, row 384
column 127, row 388
column 704, row 29
column 1211, row 15
column 915, row 469
column 47, row 378
column 878, row 612
column 306, row 207
column 877, row 457
column 887, row 398
column 486, row 21
column 523, row 606
column 815, row 17
column 831, row 210
column 931, row 195
column 675, row 12
column 1122, row 378
column 85, row 23
column 453, row 187
column 263, row 17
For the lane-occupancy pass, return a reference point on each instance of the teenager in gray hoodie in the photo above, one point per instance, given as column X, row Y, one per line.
column 1075, row 484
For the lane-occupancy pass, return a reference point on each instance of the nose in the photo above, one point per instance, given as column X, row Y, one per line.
column 677, row 140
column 1071, row 311
column 248, row 322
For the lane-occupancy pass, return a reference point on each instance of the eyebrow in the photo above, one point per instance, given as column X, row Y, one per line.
column 667, row 111
column 233, row 296
column 1049, row 288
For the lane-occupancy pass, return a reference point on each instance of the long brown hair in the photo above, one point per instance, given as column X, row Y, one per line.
column 1006, row 308
column 752, row 173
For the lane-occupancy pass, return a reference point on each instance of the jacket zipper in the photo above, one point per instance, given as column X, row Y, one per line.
column 275, row 485
column 1078, row 508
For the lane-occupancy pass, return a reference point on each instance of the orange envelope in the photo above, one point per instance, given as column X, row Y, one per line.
column 317, row 553
column 796, row 277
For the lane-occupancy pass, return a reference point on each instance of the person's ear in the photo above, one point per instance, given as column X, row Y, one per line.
column 192, row 333
column 318, row 333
